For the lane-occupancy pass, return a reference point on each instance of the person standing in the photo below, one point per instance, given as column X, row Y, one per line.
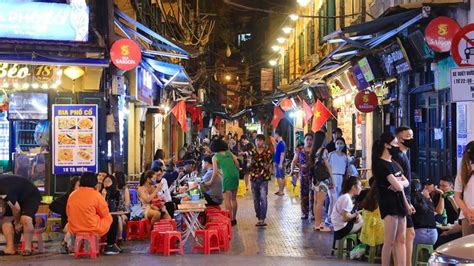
column 336, row 133
column 229, row 165
column 464, row 190
column 253, row 138
column 279, row 161
column 304, row 160
column 244, row 153
column 406, row 142
column 260, row 174
column 391, row 197
column 19, row 202
column 339, row 163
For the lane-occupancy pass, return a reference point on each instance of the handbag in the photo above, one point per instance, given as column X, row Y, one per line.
column 320, row 170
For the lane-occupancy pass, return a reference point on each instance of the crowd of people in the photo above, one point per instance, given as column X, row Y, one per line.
column 397, row 210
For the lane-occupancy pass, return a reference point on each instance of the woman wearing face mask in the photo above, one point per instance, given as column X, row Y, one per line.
column 147, row 193
column 113, row 198
column 464, row 190
column 391, row 197
column 339, row 162
column 165, row 191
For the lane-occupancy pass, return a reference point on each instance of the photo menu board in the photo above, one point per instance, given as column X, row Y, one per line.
column 74, row 138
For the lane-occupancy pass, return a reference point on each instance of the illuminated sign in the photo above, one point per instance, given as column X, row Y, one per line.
column 44, row 21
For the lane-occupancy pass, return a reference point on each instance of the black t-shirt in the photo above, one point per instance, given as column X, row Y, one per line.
column 390, row 202
column 331, row 146
column 18, row 189
column 451, row 212
column 402, row 159
column 424, row 217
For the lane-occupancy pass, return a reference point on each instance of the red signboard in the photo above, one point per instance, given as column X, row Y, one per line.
column 440, row 32
column 462, row 46
column 125, row 54
column 366, row 101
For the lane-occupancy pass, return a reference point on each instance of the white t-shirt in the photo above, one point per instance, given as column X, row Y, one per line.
column 165, row 191
column 468, row 191
column 338, row 163
column 343, row 203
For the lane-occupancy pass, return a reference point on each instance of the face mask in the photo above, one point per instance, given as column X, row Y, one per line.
column 394, row 151
column 409, row 143
column 340, row 147
column 153, row 182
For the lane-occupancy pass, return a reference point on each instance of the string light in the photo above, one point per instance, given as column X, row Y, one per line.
column 276, row 48
column 287, row 30
column 303, row 3
column 26, row 86
column 294, row 17
column 44, row 86
column 5, row 84
column 281, row 40
column 273, row 62
column 35, row 85
column 16, row 85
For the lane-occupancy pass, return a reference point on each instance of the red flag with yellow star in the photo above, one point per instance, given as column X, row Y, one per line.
column 321, row 115
column 308, row 112
column 277, row 116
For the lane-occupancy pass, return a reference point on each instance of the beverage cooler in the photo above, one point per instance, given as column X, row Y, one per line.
column 29, row 136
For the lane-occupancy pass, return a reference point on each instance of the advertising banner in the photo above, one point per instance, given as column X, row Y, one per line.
column 462, row 84
column 74, row 138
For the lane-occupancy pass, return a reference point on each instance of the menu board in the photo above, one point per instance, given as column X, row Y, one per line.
column 74, row 138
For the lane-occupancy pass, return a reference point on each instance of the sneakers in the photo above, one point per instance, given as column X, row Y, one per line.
column 111, row 250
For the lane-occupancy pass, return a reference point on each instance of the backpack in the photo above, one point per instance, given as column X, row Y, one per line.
column 320, row 170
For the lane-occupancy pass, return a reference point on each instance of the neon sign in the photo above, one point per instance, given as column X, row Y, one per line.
column 44, row 21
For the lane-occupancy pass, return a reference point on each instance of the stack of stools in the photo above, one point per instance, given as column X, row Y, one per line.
column 165, row 238
column 223, row 232
column 220, row 220
column 138, row 229
column 210, row 241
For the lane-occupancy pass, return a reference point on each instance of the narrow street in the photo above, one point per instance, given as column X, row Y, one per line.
column 286, row 240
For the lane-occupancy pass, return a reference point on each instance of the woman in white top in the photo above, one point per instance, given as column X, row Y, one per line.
column 339, row 162
column 464, row 190
column 344, row 219
column 164, row 192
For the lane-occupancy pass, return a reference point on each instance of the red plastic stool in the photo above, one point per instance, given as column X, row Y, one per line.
column 169, row 240
column 38, row 234
column 222, row 220
column 224, row 242
column 156, row 241
column 144, row 228
column 79, row 249
column 171, row 222
column 210, row 241
column 133, row 230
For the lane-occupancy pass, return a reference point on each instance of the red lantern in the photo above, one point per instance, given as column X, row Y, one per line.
column 366, row 101
column 286, row 105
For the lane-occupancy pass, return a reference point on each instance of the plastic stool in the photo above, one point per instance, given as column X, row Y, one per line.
column 144, row 228
column 156, row 239
column 133, row 230
column 373, row 253
column 344, row 246
column 420, row 248
column 43, row 217
column 50, row 222
column 242, row 190
column 224, row 242
column 79, row 249
column 222, row 220
column 210, row 241
column 38, row 234
column 171, row 222
column 170, row 239
column 133, row 196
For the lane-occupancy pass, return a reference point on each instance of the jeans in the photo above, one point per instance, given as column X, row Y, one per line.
column 425, row 236
column 260, row 191
column 334, row 193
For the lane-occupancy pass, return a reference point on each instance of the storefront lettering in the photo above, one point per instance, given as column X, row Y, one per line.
column 13, row 71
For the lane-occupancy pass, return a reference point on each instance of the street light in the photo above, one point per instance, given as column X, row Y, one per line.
column 303, row 3
column 294, row 17
column 273, row 62
column 276, row 48
column 281, row 40
column 287, row 30
column 227, row 77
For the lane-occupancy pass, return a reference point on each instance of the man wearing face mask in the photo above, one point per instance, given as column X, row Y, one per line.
column 406, row 142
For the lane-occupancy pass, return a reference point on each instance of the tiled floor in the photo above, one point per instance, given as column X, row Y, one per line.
column 286, row 240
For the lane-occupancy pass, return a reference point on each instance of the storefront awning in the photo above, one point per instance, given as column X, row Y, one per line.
column 36, row 59
column 176, row 71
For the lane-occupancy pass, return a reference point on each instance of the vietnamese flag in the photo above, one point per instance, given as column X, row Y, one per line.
column 277, row 116
column 321, row 115
column 179, row 111
column 308, row 112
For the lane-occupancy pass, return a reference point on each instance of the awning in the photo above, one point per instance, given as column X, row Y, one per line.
column 168, row 69
column 37, row 59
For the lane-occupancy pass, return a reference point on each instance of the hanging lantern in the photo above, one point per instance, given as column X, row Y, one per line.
column 286, row 105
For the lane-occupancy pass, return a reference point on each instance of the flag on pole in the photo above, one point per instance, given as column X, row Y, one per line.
column 277, row 116
column 308, row 112
column 179, row 111
column 321, row 115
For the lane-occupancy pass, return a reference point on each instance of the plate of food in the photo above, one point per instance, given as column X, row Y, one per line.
column 84, row 155
column 85, row 138
column 67, row 123
column 85, row 123
column 66, row 139
column 65, row 155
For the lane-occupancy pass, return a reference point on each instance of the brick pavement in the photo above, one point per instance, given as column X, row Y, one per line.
column 286, row 239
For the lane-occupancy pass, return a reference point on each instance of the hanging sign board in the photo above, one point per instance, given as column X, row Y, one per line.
column 125, row 54
column 462, row 84
column 359, row 78
column 74, row 138
column 366, row 101
column 394, row 59
column 462, row 46
column 440, row 33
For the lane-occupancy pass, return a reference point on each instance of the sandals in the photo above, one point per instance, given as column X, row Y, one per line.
column 261, row 224
column 26, row 253
column 2, row 253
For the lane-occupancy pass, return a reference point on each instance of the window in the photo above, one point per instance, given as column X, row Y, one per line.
column 286, row 67
column 322, row 23
column 331, row 12
column 301, row 49
column 310, row 38
column 243, row 37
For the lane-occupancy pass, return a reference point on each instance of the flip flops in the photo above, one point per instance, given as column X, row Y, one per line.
column 2, row 253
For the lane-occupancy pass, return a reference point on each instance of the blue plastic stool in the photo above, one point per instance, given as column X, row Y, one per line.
column 133, row 196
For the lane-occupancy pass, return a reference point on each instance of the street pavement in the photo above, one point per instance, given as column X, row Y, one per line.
column 286, row 240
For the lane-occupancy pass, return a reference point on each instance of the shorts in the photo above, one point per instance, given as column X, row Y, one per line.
column 29, row 207
column 409, row 221
column 279, row 172
column 321, row 186
column 339, row 234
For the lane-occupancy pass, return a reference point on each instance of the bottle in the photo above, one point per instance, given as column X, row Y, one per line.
column 445, row 217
